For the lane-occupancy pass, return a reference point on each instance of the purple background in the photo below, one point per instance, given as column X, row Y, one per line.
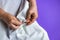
column 49, row 17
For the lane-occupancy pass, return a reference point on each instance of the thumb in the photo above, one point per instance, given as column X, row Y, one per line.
column 28, row 16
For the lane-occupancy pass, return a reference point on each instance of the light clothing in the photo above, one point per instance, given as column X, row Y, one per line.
column 10, row 6
column 31, row 32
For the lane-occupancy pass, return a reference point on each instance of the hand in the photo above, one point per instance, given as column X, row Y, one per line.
column 11, row 21
column 31, row 15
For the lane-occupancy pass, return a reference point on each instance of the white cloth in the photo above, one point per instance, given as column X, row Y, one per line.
column 31, row 32
column 10, row 6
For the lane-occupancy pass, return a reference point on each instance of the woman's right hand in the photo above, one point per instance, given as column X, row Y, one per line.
column 11, row 20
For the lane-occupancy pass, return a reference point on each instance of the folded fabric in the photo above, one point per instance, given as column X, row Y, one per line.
column 30, row 32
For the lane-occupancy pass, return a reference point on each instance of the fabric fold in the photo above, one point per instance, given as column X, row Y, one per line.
column 30, row 32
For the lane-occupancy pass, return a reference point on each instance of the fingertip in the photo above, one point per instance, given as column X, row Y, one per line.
column 27, row 20
column 29, row 23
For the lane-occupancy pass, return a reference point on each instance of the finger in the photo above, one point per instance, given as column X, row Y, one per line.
column 12, row 26
column 33, row 18
column 16, row 22
column 31, row 22
column 28, row 16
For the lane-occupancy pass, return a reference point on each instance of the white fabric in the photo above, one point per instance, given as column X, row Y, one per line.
column 31, row 32
column 0, row 4
column 10, row 6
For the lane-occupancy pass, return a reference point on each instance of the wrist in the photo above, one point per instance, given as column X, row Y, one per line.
column 32, row 2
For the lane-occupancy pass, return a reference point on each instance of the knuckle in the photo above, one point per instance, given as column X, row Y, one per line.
column 30, row 11
column 11, row 21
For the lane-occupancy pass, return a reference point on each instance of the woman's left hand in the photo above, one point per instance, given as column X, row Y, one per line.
column 32, row 14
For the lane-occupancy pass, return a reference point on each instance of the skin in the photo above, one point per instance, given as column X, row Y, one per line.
column 13, row 22
column 9, row 19
column 32, row 13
